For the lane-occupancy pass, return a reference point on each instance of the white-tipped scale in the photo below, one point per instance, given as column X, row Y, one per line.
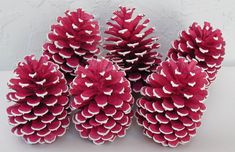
column 167, row 108
column 199, row 59
column 19, row 97
column 41, row 82
column 74, row 47
column 124, row 53
column 121, row 80
column 57, row 80
column 149, row 45
column 135, row 79
column 122, row 91
column 145, row 25
column 207, row 27
column 60, row 23
column 160, row 121
column 110, row 127
column 171, row 118
column 90, row 42
column 80, row 20
column 83, row 75
column 88, row 84
column 38, row 129
column 178, row 106
column 80, row 53
column 155, row 94
column 119, row 106
column 118, row 42
column 195, row 110
column 102, row 122
column 132, row 60
column 41, row 114
column 114, row 17
column 88, row 32
column 144, row 68
column 192, row 74
column 165, row 132
column 192, row 84
column 116, row 131
column 108, row 78
column 74, row 26
column 203, row 51
column 180, row 48
column 198, row 41
column 178, row 129
column 173, row 84
column 216, row 56
column 103, row 133
column 54, row 32
column 42, row 94
column 169, row 139
column 216, row 38
column 211, row 65
column 57, row 45
column 102, row 73
column 219, row 47
column 188, row 96
column 122, row 31
column 54, row 70
column 108, row 92
column 23, row 84
column 162, row 73
column 93, row 25
column 141, row 53
column 182, row 114
column 140, row 35
column 128, row 20
column 133, row 45
column 32, row 75
column 69, row 35
column 59, row 93
column 83, row 97
column 188, row 45
column 165, row 90
column 53, row 103
column 182, row 136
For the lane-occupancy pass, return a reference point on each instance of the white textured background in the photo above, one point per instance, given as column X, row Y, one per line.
column 24, row 23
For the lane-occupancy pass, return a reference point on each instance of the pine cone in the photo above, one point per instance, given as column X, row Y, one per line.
column 40, row 111
column 172, row 104
column 102, row 98
column 72, row 41
column 206, row 45
column 131, row 46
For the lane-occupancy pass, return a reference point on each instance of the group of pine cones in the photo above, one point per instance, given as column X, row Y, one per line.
column 70, row 76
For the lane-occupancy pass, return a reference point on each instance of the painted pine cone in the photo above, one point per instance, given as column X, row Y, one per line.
column 40, row 111
column 72, row 41
column 132, row 46
column 102, row 100
column 172, row 104
column 205, row 44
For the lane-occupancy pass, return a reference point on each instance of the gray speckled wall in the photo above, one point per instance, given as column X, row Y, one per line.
column 24, row 23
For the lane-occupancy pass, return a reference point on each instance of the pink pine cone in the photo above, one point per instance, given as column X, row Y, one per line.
column 132, row 46
column 204, row 44
column 172, row 104
column 40, row 112
column 72, row 41
column 102, row 100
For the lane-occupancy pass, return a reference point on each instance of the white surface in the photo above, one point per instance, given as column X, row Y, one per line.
column 24, row 23
column 216, row 134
